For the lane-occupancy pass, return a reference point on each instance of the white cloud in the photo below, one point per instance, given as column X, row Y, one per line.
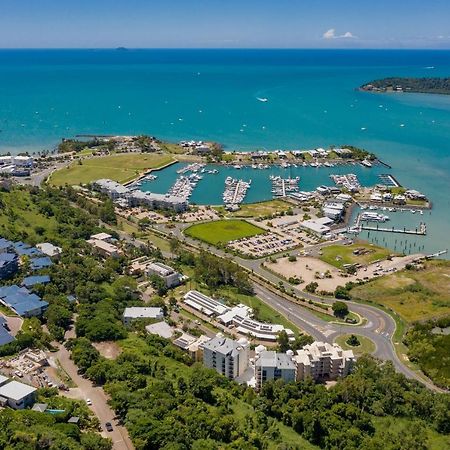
column 331, row 34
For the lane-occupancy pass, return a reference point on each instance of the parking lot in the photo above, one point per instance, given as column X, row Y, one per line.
column 263, row 245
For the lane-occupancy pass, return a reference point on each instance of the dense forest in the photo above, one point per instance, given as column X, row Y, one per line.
column 429, row 346
column 419, row 85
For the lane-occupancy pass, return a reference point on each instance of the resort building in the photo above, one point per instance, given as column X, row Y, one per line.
column 102, row 244
column 17, row 395
column 136, row 313
column 22, row 301
column 128, row 197
column 270, row 365
column 239, row 318
column 204, row 304
column 171, row 277
column 226, row 356
column 111, row 188
column 323, row 361
column 157, row 201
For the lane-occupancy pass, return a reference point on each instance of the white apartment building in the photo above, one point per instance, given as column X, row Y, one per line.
column 226, row 356
column 270, row 365
column 321, row 360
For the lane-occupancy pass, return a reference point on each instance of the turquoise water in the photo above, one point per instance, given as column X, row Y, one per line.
column 209, row 94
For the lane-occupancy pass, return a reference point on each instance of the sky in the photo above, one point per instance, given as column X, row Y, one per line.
column 225, row 23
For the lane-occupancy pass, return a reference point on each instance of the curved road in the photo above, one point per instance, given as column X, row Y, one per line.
column 379, row 328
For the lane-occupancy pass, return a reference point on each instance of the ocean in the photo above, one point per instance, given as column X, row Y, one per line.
column 213, row 95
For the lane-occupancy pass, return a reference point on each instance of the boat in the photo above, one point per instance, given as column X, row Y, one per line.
column 262, row 99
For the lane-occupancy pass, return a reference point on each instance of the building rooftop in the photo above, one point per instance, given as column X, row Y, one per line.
column 276, row 360
column 16, row 390
column 161, row 329
column 36, row 279
column 137, row 312
column 225, row 346
column 49, row 249
column 101, row 236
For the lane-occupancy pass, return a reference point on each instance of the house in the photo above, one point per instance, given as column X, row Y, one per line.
column 136, row 313
column 399, row 199
column 270, row 365
column 226, row 356
column 49, row 249
column 9, row 265
column 17, row 395
column 40, row 263
column 321, row 360
column 23, row 161
column 171, row 277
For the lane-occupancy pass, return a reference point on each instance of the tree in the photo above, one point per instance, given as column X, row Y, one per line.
column 353, row 341
column 342, row 293
column 283, row 342
column 158, row 284
column 340, row 309
column 311, row 287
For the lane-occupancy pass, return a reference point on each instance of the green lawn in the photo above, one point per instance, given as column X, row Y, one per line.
column 261, row 209
column 222, row 231
column 338, row 255
column 121, row 168
column 366, row 345
column 414, row 295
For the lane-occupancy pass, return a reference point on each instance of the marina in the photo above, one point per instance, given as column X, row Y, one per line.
column 348, row 181
column 184, row 185
column 281, row 187
column 235, row 191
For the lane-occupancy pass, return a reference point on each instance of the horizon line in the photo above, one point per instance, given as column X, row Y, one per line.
column 234, row 48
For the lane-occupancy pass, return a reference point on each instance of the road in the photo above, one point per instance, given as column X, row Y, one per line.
column 85, row 390
column 380, row 326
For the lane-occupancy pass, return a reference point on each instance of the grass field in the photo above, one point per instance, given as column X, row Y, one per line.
column 338, row 255
column 120, row 168
column 414, row 295
column 261, row 209
column 222, row 231
column 366, row 345
column 20, row 215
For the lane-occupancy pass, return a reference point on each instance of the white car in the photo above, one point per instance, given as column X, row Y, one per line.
column 89, row 401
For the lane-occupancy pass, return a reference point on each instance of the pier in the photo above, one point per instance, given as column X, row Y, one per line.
column 421, row 231
column 358, row 226
column 235, row 191
column 283, row 186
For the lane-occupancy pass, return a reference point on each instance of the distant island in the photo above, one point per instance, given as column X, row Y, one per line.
column 417, row 85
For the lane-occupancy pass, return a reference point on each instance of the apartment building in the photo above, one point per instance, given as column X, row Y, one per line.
column 323, row 361
column 226, row 356
column 270, row 365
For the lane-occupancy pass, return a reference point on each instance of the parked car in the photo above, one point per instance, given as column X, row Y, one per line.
column 89, row 401
column 108, row 426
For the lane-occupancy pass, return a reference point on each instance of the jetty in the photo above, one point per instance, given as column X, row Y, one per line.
column 184, row 185
column 235, row 191
column 284, row 186
column 420, row 231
